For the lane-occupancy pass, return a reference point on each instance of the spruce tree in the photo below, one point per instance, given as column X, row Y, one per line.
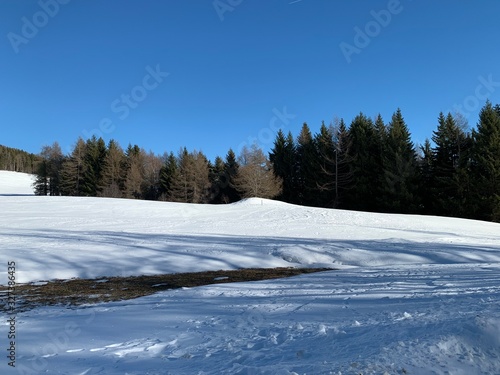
column 425, row 165
column 486, row 163
column 399, row 187
column 228, row 190
column 283, row 157
column 342, row 178
column 325, row 167
column 449, row 163
column 216, row 178
column 305, row 167
column 168, row 174
column 366, row 165
column 95, row 153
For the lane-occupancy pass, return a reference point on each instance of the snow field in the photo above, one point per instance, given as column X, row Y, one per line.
column 411, row 294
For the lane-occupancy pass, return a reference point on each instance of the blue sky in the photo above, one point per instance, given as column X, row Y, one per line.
column 212, row 75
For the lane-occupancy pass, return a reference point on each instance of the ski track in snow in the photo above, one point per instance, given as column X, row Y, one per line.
column 412, row 294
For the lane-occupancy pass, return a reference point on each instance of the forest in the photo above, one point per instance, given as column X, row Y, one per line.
column 369, row 165
column 13, row 159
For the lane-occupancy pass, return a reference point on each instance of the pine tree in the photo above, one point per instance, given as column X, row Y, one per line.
column 95, row 153
column 343, row 160
column 168, row 174
column 305, row 168
column 325, row 167
column 400, row 169
column 366, row 165
column 425, row 164
column 450, row 162
column 283, row 159
column 228, row 189
column 216, row 178
column 486, row 163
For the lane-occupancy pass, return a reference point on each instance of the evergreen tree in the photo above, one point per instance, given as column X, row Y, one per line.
column 216, row 178
column 72, row 170
column 305, row 168
column 168, row 174
column 486, row 163
column 366, row 165
column 400, row 169
column 343, row 170
column 283, row 157
column 325, row 167
column 425, row 163
column 450, row 159
column 95, row 153
column 228, row 189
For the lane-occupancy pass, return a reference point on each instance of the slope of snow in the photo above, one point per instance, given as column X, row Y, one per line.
column 412, row 294
column 64, row 237
column 16, row 183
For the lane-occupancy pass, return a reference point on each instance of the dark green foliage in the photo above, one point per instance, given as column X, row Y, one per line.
column 168, row 174
column 366, row 165
column 228, row 191
column 325, row 167
column 486, row 163
column 399, row 184
column 449, row 185
column 93, row 163
column 370, row 166
column 425, row 163
column 305, row 168
column 283, row 157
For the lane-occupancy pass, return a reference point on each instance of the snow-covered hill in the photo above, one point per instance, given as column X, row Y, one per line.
column 16, row 183
column 413, row 294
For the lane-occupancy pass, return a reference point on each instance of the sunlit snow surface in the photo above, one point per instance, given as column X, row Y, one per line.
column 413, row 294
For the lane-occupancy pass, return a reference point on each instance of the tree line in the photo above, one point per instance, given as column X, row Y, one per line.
column 97, row 169
column 13, row 159
column 369, row 165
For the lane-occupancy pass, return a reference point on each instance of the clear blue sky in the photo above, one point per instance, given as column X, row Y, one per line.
column 232, row 69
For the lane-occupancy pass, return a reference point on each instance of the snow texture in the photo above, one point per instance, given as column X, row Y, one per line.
column 412, row 294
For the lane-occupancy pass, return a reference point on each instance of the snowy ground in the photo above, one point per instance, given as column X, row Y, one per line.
column 413, row 294
column 15, row 183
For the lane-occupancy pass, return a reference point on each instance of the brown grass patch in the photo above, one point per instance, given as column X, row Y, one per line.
column 76, row 292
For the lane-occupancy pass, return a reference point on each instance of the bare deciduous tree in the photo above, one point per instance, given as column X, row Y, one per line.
column 255, row 176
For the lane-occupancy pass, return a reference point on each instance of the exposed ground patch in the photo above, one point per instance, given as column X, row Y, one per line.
column 76, row 292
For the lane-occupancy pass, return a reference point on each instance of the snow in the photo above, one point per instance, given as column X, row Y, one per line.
column 411, row 294
column 16, row 183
